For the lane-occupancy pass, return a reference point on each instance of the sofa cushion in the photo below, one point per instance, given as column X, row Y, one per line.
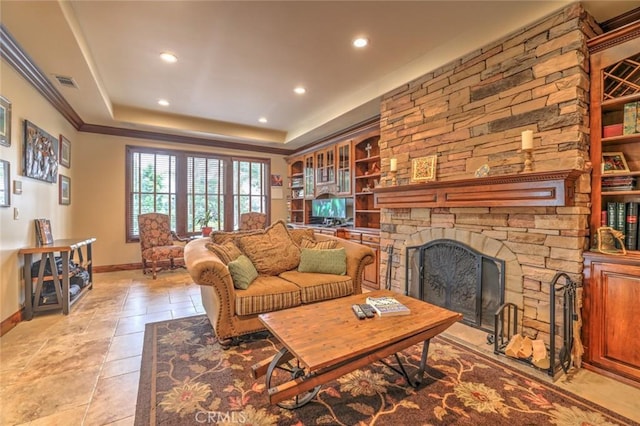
column 317, row 287
column 271, row 251
column 242, row 272
column 313, row 244
column 332, row 261
column 267, row 294
column 221, row 237
column 226, row 252
column 298, row 234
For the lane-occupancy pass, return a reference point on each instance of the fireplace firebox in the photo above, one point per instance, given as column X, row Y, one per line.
column 452, row 275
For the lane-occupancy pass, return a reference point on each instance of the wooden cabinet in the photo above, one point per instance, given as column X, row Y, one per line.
column 611, row 310
column 367, row 177
column 615, row 66
column 369, row 238
column 612, row 316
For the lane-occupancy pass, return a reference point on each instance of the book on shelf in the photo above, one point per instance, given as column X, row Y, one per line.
column 43, row 232
column 387, row 306
column 630, row 121
column 618, row 183
column 631, row 226
column 611, row 215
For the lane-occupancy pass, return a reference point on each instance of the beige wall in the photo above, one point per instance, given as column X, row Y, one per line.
column 97, row 189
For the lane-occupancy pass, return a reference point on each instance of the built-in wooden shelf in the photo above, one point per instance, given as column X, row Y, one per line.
column 555, row 188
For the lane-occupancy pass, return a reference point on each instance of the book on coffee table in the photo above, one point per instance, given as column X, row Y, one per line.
column 387, row 306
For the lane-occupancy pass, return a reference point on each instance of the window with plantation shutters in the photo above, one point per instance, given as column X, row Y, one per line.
column 185, row 185
column 152, row 187
column 249, row 187
column 205, row 191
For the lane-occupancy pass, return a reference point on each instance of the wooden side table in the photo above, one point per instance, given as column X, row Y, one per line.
column 67, row 249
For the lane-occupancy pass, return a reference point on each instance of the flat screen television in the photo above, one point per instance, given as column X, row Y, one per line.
column 330, row 208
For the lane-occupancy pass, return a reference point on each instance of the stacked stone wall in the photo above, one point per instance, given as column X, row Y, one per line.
column 471, row 112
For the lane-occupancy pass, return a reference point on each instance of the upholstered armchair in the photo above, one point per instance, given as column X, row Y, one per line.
column 253, row 220
column 157, row 243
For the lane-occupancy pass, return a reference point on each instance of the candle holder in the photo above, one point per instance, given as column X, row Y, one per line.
column 394, row 180
column 528, row 159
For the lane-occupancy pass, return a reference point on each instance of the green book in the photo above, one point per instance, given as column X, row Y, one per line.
column 630, row 118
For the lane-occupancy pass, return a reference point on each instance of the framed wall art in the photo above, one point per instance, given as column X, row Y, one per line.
column 5, row 122
column 64, row 190
column 423, row 169
column 5, row 191
column 40, row 154
column 614, row 162
column 65, row 152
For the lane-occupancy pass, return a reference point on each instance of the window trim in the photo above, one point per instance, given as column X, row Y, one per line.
column 181, row 185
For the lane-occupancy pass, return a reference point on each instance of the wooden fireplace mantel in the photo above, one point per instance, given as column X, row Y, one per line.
column 555, row 188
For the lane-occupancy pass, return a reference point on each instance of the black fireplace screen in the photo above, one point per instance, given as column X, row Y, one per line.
column 452, row 275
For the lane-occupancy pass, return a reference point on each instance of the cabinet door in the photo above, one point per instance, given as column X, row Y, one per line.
column 371, row 276
column 344, row 168
column 309, row 178
column 614, row 322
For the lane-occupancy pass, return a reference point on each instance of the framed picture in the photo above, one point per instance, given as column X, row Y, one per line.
column 423, row 169
column 65, row 152
column 64, row 190
column 40, row 154
column 614, row 162
column 5, row 190
column 5, row 122
column 43, row 231
column 276, row 180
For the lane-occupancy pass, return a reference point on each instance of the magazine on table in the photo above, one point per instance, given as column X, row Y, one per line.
column 387, row 306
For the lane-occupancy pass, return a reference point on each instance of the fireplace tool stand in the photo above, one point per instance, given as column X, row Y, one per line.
column 506, row 326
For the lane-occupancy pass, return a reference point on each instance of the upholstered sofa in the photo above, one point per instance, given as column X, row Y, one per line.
column 234, row 311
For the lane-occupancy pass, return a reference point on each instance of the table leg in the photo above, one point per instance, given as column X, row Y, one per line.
column 403, row 372
column 423, row 362
column 28, row 287
column 65, row 283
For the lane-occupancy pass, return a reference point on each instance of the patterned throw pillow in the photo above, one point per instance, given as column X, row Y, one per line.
column 332, row 261
column 321, row 245
column 221, row 237
column 272, row 250
column 227, row 252
column 299, row 233
column 242, row 272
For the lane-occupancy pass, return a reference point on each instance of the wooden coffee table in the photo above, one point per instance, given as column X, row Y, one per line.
column 324, row 341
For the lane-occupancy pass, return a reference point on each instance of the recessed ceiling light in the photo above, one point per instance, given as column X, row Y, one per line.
column 169, row 57
column 300, row 90
column 262, row 120
column 360, row 42
column 163, row 102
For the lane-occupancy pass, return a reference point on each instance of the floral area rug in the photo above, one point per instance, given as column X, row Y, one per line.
column 187, row 379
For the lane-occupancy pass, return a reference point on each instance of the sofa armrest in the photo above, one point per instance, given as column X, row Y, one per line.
column 358, row 256
column 206, row 269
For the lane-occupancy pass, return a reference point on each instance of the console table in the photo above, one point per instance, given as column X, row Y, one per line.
column 67, row 249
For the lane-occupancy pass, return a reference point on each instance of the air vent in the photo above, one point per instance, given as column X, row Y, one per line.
column 66, row 81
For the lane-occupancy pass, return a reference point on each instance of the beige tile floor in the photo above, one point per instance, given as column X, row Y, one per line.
column 83, row 369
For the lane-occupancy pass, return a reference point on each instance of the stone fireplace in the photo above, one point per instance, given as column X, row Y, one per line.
column 471, row 113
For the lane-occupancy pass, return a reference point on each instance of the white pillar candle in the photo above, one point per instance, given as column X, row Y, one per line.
column 527, row 139
column 393, row 165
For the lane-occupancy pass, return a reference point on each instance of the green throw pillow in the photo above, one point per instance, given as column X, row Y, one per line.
column 332, row 261
column 242, row 272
